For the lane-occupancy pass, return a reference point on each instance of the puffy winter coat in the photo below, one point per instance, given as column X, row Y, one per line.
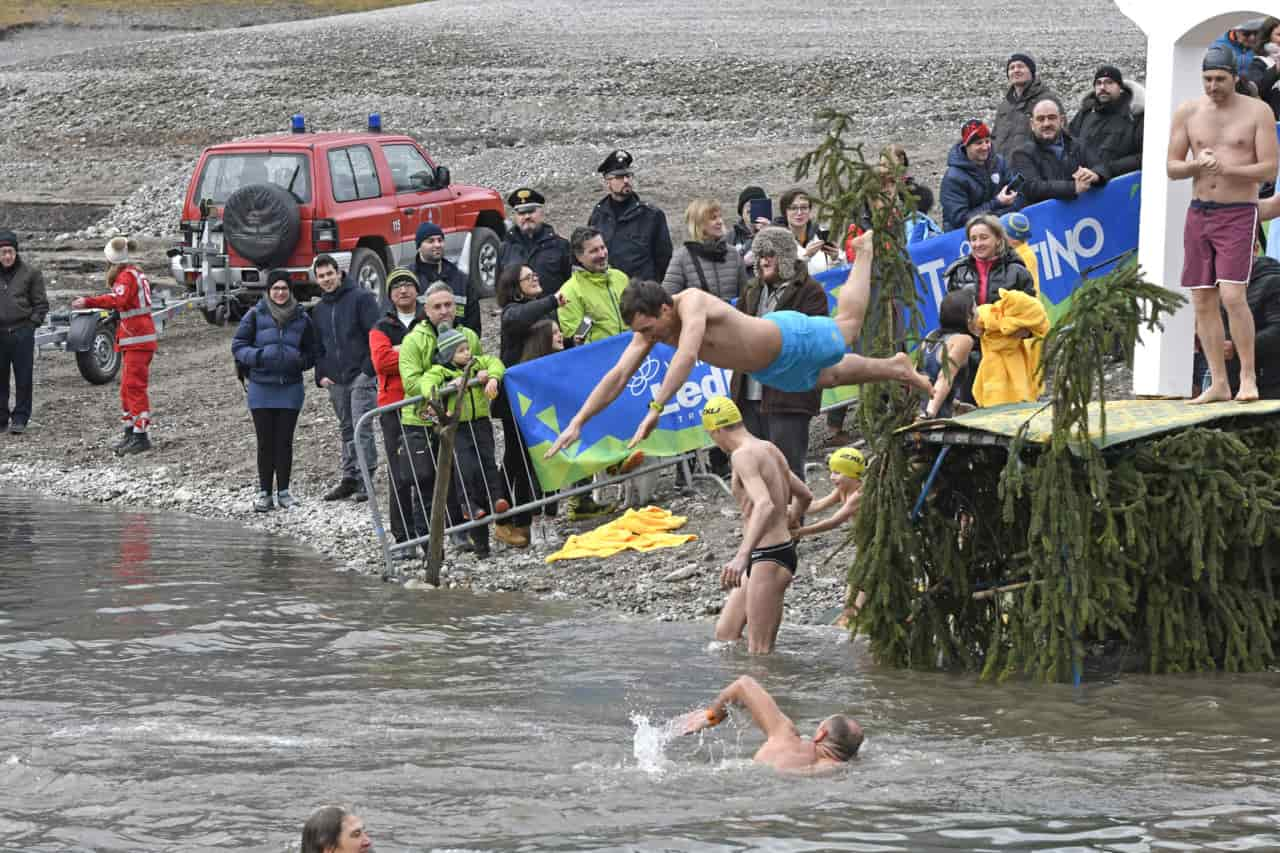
column 276, row 356
column 1045, row 174
column 596, row 295
column 1264, row 72
column 417, row 357
column 130, row 296
column 803, row 294
column 1013, row 117
column 343, row 319
column 1007, row 273
column 637, row 236
column 1111, row 134
column 546, row 253
column 388, row 334
column 23, row 301
column 465, row 297
column 517, row 318
column 722, row 269
column 970, row 188
column 475, row 404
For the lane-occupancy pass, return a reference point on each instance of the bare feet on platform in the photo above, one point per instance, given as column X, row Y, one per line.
column 911, row 377
column 1214, row 394
column 1248, row 392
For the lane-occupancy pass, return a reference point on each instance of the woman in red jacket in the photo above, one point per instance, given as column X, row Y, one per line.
column 129, row 294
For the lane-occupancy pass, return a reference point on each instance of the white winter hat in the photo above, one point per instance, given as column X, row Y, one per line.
column 118, row 248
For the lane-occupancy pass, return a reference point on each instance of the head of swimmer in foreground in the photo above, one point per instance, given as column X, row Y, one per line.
column 839, row 737
column 332, row 829
column 723, row 421
column 648, row 310
column 847, row 465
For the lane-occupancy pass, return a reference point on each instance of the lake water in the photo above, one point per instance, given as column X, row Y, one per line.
column 173, row 683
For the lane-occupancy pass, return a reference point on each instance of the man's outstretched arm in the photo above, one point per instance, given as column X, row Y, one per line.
column 605, row 392
column 693, row 325
column 747, row 692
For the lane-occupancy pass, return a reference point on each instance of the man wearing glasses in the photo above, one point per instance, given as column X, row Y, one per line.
column 1052, row 164
column 533, row 243
column 635, row 231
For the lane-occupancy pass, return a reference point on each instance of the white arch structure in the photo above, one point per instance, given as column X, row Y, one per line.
column 1178, row 33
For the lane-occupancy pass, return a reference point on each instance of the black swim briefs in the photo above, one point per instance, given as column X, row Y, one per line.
column 784, row 555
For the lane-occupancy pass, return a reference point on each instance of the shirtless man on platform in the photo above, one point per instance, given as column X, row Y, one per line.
column 785, row 349
column 836, row 740
column 771, row 497
column 1232, row 138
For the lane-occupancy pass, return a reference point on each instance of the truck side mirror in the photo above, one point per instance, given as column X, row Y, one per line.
column 442, row 177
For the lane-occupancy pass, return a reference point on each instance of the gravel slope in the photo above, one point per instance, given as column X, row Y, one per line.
column 710, row 97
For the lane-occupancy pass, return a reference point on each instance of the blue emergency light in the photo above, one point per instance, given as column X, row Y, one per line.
column 298, row 123
column 375, row 122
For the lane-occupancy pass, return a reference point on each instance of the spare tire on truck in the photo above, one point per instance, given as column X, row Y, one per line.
column 261, row 223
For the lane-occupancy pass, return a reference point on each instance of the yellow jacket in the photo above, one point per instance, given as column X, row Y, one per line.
column 1008, row 372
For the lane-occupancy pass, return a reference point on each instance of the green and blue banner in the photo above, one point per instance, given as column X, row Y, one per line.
column 1066, row 238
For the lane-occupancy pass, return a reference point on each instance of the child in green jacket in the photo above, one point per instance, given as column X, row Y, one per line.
column 477, row 482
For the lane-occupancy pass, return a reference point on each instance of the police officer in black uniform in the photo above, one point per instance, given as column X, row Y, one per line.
column 635, row 231
column 533, row 243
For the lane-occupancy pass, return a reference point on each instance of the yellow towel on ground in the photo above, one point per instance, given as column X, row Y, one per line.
column 637, row 530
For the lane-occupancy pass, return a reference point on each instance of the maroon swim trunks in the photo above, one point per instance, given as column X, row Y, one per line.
column 1218, row 243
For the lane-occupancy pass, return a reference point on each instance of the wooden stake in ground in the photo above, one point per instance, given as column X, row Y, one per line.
column 448, row 422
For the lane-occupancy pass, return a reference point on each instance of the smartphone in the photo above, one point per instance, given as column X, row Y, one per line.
column 759, row 208
column 583, row 328
column 1016, row 182
column 824, row 234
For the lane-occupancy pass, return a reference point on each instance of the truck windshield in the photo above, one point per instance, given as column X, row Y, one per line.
column 225, row 173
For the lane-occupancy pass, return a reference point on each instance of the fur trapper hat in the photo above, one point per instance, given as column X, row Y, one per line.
column 118, row 248
column 779, row 242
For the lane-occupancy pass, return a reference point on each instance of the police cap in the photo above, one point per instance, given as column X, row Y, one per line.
column 524, row 199
column 617, row 164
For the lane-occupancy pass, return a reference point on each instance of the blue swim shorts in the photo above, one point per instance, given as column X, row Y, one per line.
column 808, row 345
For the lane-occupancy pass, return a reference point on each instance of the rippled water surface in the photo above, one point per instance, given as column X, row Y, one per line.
column 172, row 683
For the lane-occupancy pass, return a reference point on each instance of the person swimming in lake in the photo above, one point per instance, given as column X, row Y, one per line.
column 836, row 740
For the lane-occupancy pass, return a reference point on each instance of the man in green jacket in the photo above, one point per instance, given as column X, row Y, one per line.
column 417, row 355
column 593, row 293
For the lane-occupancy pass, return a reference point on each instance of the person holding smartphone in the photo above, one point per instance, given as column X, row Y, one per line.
column 976, row 180
column 816, row 248
column 755, row 211
column 589, row 310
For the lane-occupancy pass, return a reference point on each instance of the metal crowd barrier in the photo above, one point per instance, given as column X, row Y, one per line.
column 415, row 516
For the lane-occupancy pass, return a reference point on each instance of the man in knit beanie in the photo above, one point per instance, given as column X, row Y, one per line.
column 1013, row 115
column 23, row 306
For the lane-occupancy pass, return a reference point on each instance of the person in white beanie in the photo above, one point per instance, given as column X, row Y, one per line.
column 129, row 294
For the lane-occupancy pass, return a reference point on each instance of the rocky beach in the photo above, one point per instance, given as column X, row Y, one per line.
column 105, row 120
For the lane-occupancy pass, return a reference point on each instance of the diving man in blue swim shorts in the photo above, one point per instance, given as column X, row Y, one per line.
column 784, row 349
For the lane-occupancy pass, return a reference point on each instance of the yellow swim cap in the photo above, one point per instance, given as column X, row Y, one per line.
column 847, row 461
column 720, row 412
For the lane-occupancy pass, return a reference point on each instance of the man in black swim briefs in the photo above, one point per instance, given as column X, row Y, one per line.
column 770, row 496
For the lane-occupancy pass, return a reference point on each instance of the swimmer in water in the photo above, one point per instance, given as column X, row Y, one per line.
column 836, row 740
column 333, row 829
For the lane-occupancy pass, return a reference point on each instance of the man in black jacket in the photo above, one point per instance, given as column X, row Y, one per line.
column 635, row 231
column 343, row 319
column 430, row 265
column 23, row 306
column 1109, row 124
column 1052, row 164
column 533, row 243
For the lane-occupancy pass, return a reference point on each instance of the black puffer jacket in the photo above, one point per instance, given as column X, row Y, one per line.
column 22, row 296
column 466, row 298
column 1111, row 134
column 1263, row 297
column 546, row 253
column 1007, row 273
column 1045, row 174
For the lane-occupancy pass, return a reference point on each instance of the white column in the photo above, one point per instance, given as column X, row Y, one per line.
column 1178, row 33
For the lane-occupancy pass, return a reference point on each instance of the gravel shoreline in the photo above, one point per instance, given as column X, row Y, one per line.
column 709, row 98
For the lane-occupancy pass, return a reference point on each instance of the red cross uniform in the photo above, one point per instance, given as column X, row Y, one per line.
column 130, row 296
